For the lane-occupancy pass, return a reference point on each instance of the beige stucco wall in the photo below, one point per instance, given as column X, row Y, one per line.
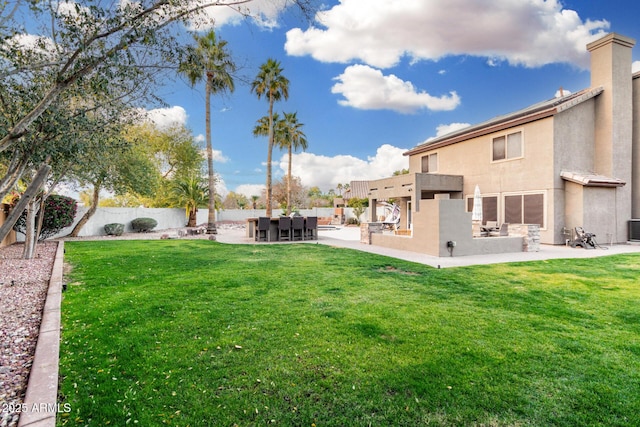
column 635, row 210
column 574, row 151
column 442, row 220
column 599, row 218
column 534, row 172
column 574, row 205
column 611, row 68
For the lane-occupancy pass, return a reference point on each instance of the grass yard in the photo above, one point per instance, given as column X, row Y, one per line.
column 198, row 333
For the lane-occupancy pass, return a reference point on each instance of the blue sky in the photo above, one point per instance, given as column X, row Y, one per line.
column 370, row 79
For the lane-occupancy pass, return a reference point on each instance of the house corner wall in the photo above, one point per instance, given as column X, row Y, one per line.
column 574, row 204
column 611, row 68
column 635, row 157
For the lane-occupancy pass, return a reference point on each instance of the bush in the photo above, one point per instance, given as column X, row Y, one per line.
column 114, row 229
column 59, row 212
column 353, row 221
column 143, row 224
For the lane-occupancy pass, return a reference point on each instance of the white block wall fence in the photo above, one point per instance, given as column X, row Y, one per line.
column 176, row 218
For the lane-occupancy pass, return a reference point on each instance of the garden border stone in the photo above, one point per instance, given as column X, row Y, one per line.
column 40, row 402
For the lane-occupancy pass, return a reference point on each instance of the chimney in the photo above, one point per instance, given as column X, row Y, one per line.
column 611, row 69
column 613, row 124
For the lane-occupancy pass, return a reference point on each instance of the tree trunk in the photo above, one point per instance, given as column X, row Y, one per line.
column 289, row 182
column 40, row 218
column 88, row 214
column 211, row 218
column 30, row 235
column 269, row 154
column 191, row 222
column 29, row 193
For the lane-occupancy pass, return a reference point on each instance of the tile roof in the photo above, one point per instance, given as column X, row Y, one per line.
column 358, row 189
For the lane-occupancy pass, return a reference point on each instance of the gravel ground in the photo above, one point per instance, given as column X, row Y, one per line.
column 23, row 289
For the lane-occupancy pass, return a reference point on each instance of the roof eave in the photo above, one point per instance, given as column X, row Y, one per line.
column 483, row 131
column 515, row 119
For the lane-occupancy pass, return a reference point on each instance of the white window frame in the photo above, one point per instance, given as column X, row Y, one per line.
column 545, row 198
column 429, row 157
column 506, row 135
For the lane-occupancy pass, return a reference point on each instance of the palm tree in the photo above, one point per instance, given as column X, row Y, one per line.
column 274, row 86
column 262, row 127
column 209, row 60
column 292, row 138
column 190, row 192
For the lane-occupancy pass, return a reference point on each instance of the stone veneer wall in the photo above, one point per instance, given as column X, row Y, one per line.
column 366, row 228
column 530, row 236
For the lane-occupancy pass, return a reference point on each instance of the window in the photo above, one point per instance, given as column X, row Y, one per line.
column 430, row 163
column 489, row 208
column 507, row 147
column 524, row 209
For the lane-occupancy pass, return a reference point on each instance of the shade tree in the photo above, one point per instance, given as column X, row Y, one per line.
column 92, row 47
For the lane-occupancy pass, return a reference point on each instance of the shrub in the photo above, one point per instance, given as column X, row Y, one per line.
column 143, row 224
column 114, row 229
column 59, row 212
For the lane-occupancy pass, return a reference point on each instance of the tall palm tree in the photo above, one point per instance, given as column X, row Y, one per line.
column 292, row 139
column 209, row 60
column 271, row 84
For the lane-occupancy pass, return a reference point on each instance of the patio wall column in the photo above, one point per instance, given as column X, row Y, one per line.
column 373, row 208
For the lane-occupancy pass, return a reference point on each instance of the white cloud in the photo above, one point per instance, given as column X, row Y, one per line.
column 635, row 67
column 250, row 190
column 451, row 127
column 562, row 92
column 368, row 89
column 445, row 129
column 263, row 12
column 380, row 32
column 327, row 172
column 30, row 44
column 218, row 157
column 221, row 187
column 167, row 117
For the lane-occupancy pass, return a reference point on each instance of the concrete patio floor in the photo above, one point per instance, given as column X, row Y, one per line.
column 349, row 237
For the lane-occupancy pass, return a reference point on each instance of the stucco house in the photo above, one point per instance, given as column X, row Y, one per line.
column 571, row 161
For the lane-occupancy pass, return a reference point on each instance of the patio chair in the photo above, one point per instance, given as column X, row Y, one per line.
column 284, row 228
column 263, row 230
column 492, row 226
column 311, row 228
column 503, row 231
column 584, row 239
column 297, row 228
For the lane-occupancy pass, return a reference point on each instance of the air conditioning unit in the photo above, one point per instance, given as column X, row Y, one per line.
column 634, row 230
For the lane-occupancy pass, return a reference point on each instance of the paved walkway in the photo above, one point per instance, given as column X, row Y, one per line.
column 349, row 237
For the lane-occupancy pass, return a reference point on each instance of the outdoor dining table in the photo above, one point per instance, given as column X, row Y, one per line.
column 252, row 226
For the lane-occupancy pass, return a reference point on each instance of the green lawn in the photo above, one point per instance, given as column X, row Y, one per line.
column 198, row 333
